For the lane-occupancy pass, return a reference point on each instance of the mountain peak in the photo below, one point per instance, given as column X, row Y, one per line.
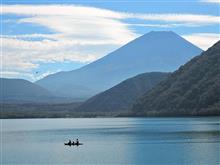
column 161, row 32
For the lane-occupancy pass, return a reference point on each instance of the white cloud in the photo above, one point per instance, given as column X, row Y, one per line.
column 203, row 40
column 82, row 13
column 165, row 25
column 192, row 19
column 94, row 29
column 60, row 10
column 211, row 1
column 76, row 22
column 16, row 74
column 24, row 55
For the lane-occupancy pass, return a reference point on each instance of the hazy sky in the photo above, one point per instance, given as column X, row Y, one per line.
column 44, row 37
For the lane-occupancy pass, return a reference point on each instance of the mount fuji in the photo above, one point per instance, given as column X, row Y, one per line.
column 156, row 51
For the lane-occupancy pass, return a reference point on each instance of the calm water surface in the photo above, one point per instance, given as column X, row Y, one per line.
column 111, row 141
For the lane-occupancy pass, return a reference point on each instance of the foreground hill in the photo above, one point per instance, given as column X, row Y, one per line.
column 19, row 90
column 162, row 51
column 121, row 97
column 194, row 89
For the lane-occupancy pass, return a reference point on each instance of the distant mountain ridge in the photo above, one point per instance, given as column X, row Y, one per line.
column 194, row 89
column 154, row 51
column 19, row 91
column 121, row 97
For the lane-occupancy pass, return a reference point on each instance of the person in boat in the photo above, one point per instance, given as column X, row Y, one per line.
column 69, row 143
column 77, row 142
column 73, row 143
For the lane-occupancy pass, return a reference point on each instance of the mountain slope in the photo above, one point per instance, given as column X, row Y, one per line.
column 161, row 51
column 121, row 97
column 194, row 89
column 19, row 90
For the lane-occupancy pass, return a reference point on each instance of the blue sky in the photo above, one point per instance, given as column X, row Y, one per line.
column 44, row 37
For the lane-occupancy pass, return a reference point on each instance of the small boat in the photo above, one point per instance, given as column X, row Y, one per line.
column 73, row 144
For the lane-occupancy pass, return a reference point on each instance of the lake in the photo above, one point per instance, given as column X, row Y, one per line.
column 111, row 141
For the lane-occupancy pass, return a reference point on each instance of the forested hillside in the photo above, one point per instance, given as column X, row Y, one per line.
column 194, row 89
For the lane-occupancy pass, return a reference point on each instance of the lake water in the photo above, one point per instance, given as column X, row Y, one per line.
column 111, row 141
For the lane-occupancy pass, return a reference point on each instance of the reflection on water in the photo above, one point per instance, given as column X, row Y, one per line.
column 112, row 140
